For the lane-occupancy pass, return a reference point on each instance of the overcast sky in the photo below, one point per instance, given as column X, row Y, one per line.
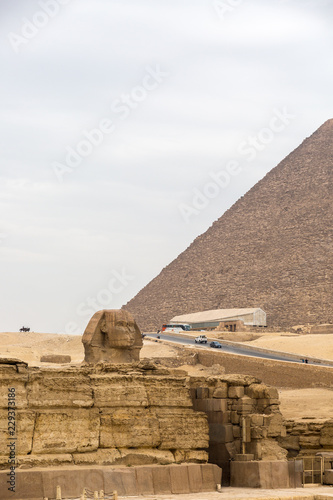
column 129, row 126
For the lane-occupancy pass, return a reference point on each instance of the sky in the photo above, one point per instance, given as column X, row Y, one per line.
column 128, row 127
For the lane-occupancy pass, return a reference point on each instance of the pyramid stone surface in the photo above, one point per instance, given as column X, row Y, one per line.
column 272, row 249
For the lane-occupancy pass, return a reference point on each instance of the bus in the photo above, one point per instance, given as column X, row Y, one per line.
column 176, row 328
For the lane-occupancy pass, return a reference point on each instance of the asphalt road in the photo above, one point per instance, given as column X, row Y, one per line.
column 232, row 350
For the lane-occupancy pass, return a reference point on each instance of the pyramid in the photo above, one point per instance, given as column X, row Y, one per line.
column 272, row 249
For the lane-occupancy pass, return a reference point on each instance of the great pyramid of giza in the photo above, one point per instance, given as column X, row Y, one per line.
column 272, row 249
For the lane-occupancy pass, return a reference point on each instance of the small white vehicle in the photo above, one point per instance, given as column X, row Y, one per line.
column 201, row 339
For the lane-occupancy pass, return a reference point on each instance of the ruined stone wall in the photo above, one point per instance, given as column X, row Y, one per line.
column 243, row 416
column 125, row 414
column 308, row 437
column 135, row 415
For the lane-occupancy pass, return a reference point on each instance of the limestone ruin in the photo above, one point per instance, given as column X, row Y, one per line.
column 112, row 336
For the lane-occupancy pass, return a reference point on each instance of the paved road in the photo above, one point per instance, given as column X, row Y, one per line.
column 232, row 350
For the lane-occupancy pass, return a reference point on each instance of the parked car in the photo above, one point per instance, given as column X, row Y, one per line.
column 215, row 344
column 201, row 339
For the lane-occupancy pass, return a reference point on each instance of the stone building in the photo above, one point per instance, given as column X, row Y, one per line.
column 231, row 317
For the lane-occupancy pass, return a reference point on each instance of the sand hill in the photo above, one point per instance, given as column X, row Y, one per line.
column 272, row 249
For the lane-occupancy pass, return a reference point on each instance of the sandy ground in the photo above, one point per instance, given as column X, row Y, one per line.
column 319, row 493
column 30, row 346
column 319, row 346
column 302, row 403
column 307, row 403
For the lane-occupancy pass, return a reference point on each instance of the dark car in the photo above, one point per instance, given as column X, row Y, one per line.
column 215, row 344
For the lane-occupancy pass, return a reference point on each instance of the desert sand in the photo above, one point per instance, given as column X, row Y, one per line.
column 302, row 403
column 319, row 346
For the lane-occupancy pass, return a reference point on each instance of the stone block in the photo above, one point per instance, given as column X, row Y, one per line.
column 47, row 388
column 279, row 475
column 144, row 456
column 328, row 477
column 234, row 417
column 211, row 405
column 182, row 429
column 129, row 428
column 167, row 392
column 259, row 474
column 221, row 433
column 218, row 417
column 118, row 391
column 202, row 392
column 244, row 474
column 295, row 468
column 195, row 478
column 245, row 405
column 309, row 442
column 258, row 432
column 55, row 358
column 211, row 476
column 106, row 456
column 262, row 404
column 10, row 379
column 221, row 392
column 161, row 479
column 179, row 479
column 28, row 484
column 254, row 447
column 24, row 428
column 236, row 391
column 66, row 431
column 245, row 457
column 120, row 479
column 72, row 481
column 236, row 431
column 272, row 393
column 29, row 461
column 256, row 391
column 326, row 437
column 257, row 419
column 276, row 425
column 144, row 480
column 290, row 443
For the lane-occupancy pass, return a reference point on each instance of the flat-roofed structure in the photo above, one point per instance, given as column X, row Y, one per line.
column 212, row 319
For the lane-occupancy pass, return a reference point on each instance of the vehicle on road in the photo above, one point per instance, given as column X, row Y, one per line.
column 201, row 339
column 215, row 344
column 175, row 328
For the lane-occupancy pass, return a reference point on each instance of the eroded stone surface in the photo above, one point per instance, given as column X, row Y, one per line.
column 112, row 336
